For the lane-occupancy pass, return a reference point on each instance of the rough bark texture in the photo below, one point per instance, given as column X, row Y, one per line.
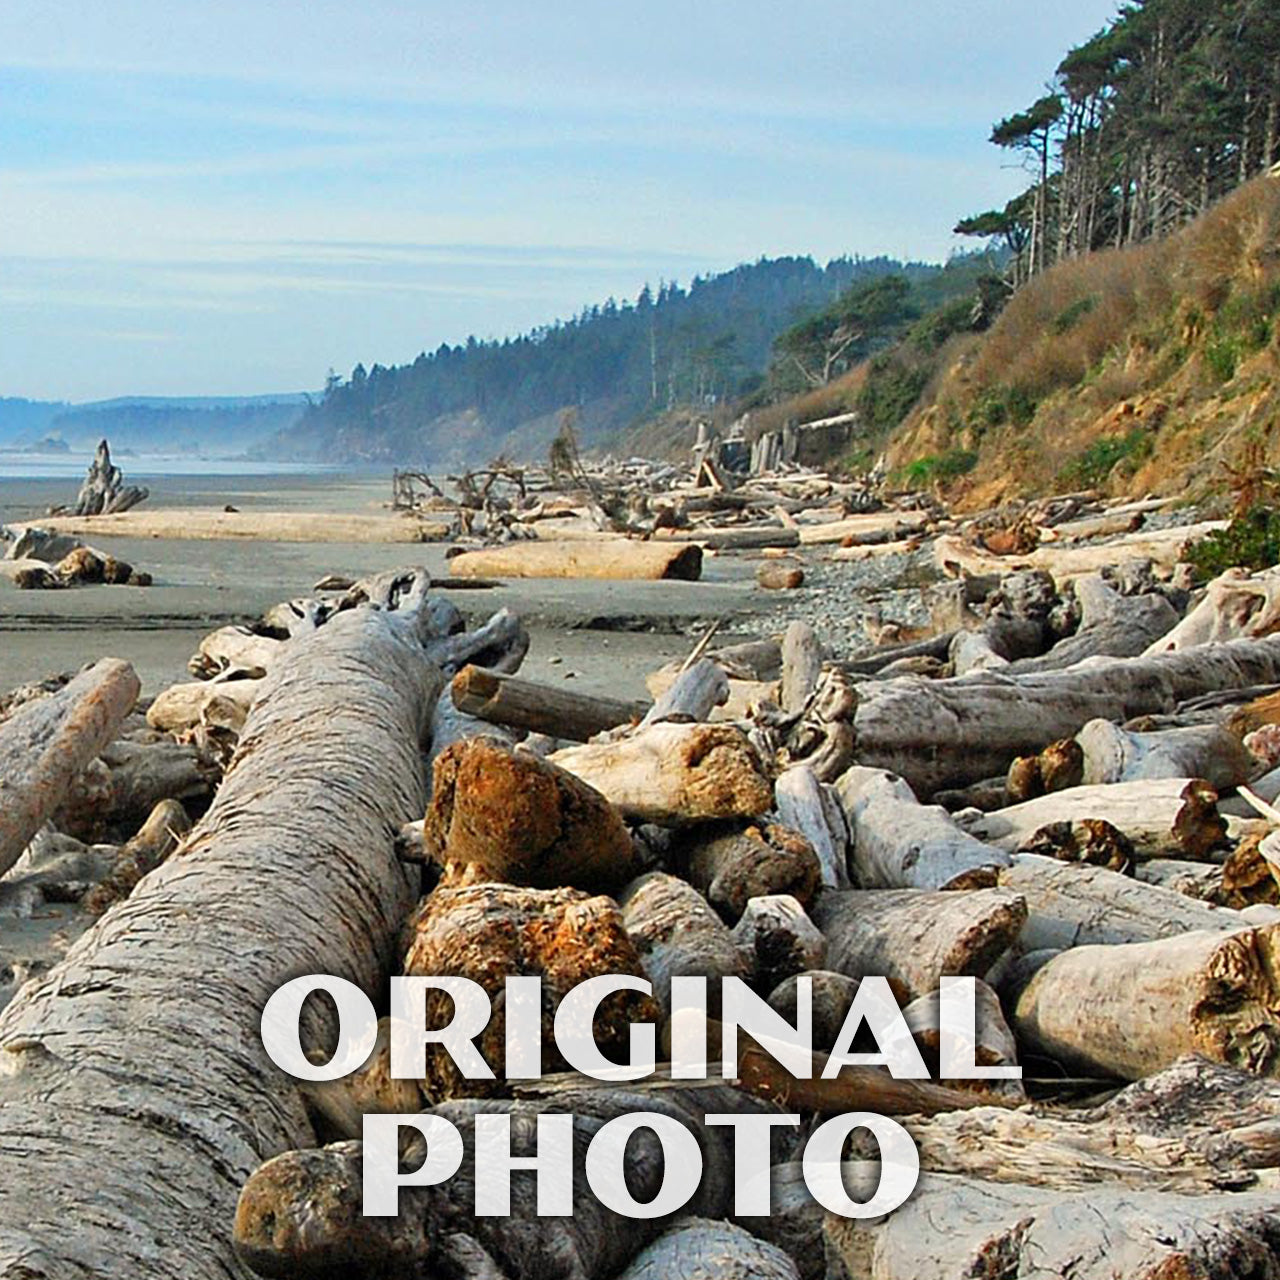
column 733, row 865
column 45, row 744
column 1208, row 751
column 506, row 815
column 136, row 1095
column 674, row 774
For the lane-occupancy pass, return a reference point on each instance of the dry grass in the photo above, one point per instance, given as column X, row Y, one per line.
column 836, row 397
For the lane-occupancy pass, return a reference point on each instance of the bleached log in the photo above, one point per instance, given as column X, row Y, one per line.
column 678, row 935
column 674, row 774
column 972, row 651
column 914, row 937
column 695, row 693
column 898, row 843
column 1209, row 751
column 223, row 704
column 824, row 738
column 801, row 667
column 235, row 648
column 1202, row 881
column 948, row 733
column 731, row 538
column 1158, row 816
column 1070, row 905
column 1236, row 604
column 813, row 808
column 47, row 742
column 994, row 1045
column 291, row 871
column 612, row 558
column 733, row 865
column 142, row 774
column 1132, row 1009
column 834, row 531
column 539, row 708
column 744, row 695
column 498, row 814
column 156, row 839
column 1102, row 1233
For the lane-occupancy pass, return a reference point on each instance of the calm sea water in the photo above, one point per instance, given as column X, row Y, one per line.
column 56, row 466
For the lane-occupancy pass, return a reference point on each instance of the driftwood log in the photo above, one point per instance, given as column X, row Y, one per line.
column 1208, row 751
column 162, row 998
column 732, row 864
column 813, row 808
column 614, row 558
column 673, row 774
column 47, row 742
column 539, row 708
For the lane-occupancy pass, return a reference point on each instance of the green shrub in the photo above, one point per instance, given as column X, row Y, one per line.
column 1068, row 317
column 999, row 405
column 1102, row 457
column 930, row 332
column 1222, row 355
column 940, row 468
column 1251, row 541
column 890, row 392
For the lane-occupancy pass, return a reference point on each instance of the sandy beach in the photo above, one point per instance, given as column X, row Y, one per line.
column 604, row 636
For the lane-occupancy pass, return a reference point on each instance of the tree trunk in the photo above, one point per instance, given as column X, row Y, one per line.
column 615, row 558
column 291, row 871
column 48, row 742
column 538, row 708
column 1113, row 754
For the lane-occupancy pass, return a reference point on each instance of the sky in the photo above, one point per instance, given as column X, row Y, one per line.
column 202, row 198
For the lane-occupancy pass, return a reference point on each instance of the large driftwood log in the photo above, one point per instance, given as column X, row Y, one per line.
column 949, row 733
column 953, row 1227
column 813, row 808
column 104, row 491
column 539, row 708
column 732, row 864
column 291, row 871
column 914, row 937
column 608, row 558
column 1130, row 1010
column 498, row 814
column 898, row 843
column 1070, row 905
column 487, row 932
column 678, row 935
column 47, row 742
column 1236, row 604
column 673, row 774
column 1208, row 751
column 1160, row 817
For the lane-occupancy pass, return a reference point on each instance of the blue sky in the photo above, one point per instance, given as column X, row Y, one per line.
column 229, row 198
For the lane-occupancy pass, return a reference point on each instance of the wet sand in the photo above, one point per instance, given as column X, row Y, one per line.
column 606, row 635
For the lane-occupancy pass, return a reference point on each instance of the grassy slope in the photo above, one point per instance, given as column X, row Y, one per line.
column 1143, row 369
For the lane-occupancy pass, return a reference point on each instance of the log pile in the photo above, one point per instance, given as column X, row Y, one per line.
column 1073, row 810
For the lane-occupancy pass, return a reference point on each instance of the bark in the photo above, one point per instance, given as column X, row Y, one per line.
column 678, row 935
column 732, row 865
column 1211, row 752
column 487, row 932
column 914, row 937
column 47, row 742
column 523, row 704
column 498, row 814
column 1058, row 767
column 675, row 774
column 162, row 998
column 613, row 558
column 1070, row 905
column 1173, row 817
column 898, row 843
column 1132, row 1009
column 776, row 940
column 948, row 733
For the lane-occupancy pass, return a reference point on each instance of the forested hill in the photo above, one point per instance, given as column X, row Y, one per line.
column 615, row 364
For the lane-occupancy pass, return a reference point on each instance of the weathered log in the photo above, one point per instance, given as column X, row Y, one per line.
column 235, row 648
column 1159, row 817
column 776, row 939
column 1211, row 752
column 813, row 808
column 898, row 843
column 163, row 996
column 498, row 814
column 678, row 935
column 487, row 932
column 914, row 938
column 539, row 708
column 948, row 733
column 1072, row 905
column 801, row 667
column 222, row 704
column 104, row 491
column 824, row 737
column 694, row 694
column 1235, row 604
column 733, row 864
column 1059, row 766
column 831, row 997
column 1132, row 1009
column 612, row 558
column 703, row 1249
column 779, row 577
column 734, row 539
column 673, row 774
column 860, row 526
column 142, row 774
column 1202, row 881
column 155, row 840
column 954, row 1225
column 972, row 651
column 47, row 742
column 214, row 523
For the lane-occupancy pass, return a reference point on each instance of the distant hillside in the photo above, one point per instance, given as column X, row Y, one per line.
column 1138, row 369
column 616, row 365
column 208, row 425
